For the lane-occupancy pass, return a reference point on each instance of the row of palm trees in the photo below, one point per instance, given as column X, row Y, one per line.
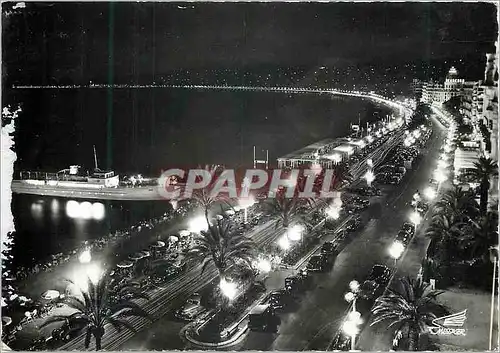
column 462, row 229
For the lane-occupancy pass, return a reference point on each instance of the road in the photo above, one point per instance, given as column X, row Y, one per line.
column 319, row 315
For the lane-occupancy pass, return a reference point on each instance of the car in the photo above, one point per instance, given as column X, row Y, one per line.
column 380, row 274
column 262, row 318
column 294, row 284
column 409, row 228
column 341, row 342
column 360, row 202
column 318, row 263
column 280, row 299
column 376, row 281
column 403, row 237
column 381, row 177
column 191, row 308
column 399, row 175
column 394, row 180
column 70, row 329
column 329, row 248
column 353, row 224
column 387, row 168
column 421, row 207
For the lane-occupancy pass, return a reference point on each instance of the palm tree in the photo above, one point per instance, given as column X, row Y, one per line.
column 483, row 235
column 458, row 204
column 286, row 207
column 206, row 197
column 444, row 231
column 98, row 308
column 223, row 247
column 483, row 170
column 410, row 307
column 342, row 176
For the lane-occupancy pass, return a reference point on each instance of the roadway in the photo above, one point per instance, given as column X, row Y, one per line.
column 320, row 312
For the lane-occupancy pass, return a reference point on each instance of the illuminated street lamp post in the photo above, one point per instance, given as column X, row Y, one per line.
column 85, row 257
column 351, row 324
column 396, row 250
column 370, row 177
column 415, row 218
column 228, row 289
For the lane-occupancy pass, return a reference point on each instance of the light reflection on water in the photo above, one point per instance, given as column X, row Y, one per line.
column 85, row 210
column 49, row 225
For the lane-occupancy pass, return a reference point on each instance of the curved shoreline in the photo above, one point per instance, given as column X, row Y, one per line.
column 148, row 194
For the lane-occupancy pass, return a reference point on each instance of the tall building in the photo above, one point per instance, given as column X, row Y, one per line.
column 416, row 88
column 442, row 92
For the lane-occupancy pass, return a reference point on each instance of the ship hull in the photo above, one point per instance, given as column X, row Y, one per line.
column 82, row 192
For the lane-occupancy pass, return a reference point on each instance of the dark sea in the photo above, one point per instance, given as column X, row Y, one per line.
column 145, row 131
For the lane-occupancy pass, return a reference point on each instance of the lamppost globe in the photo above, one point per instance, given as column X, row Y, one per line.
column 396, row 250
column 415, row 218
column 354, row 286
column 295, row 233
column 85, row 257
column 198, row 224
column 349, row 296
column 350, row 328
column 228, row 289
column 430, row 193
column 284, row 243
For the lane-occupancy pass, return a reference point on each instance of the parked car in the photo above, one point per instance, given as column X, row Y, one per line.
column 70, row 329
column 318, row 263
column 263, row 318
column 421, row 207
column 280, row 299
column 191, row 308
column 409, row 228
column 353, row 224
column 329, row 248
column 394, row 180
column 341, row 342
column 376, row 281
column 403, row 237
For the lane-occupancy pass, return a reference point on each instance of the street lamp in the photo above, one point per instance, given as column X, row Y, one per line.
column 263, row 265
column 81, row 277
column 85, row 257
column 440, row 175
column 228, row 289
column 430, row 193
column 351, row 326
column 295, row 233
column 333, row 212
column 198, row 224
column 415, row 218
column 370, row 177
column 284, row 243
column 396, row 250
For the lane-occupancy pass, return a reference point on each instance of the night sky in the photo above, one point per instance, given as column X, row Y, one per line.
column 77, row 43
column 75, row 40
